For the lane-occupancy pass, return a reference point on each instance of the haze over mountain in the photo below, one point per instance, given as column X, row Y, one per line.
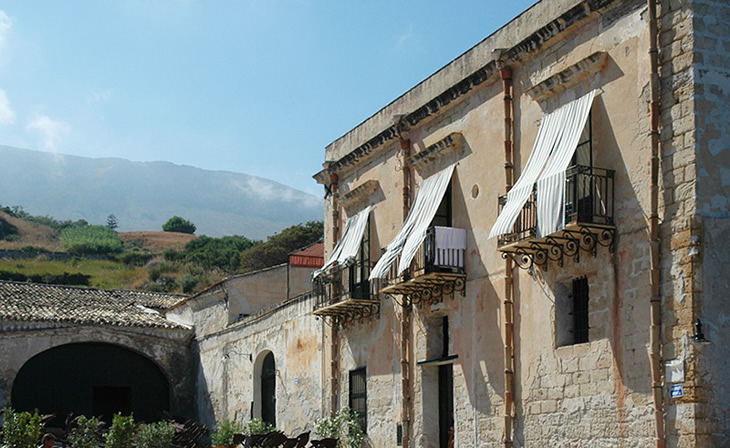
column 144, row 195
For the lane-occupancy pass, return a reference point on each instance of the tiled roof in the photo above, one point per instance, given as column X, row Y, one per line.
column 114, row 307
column 310, row 256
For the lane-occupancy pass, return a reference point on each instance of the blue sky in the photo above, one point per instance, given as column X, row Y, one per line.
column 257, row 87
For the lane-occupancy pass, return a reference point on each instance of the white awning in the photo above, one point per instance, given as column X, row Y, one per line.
column 346, row 249
column 413, row 232
column 550, row 149
column 551, row 183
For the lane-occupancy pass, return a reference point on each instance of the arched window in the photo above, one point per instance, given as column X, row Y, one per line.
column 268, row 389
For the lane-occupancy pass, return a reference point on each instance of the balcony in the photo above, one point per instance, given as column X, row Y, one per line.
column 345, row 295
column 588, row 216
column 436, row 271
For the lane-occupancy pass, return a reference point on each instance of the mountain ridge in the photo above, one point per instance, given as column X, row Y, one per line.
column 143, row 195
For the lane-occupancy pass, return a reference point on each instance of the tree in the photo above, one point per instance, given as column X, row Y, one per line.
column 222, row 253
column 178, row 224
column 278, row 247
column 111, row 222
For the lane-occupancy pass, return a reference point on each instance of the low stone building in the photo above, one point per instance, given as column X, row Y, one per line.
column 93, row 352
column 258, row 346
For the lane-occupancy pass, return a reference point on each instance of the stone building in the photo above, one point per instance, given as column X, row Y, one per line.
column 93, row 352
column 531, row 240
column 258, row 346
column 525, row 249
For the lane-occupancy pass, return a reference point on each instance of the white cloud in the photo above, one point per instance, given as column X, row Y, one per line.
column 5, row 23
column 271, row 191
column 404, row 37
column 51, row 131
column 7, row 115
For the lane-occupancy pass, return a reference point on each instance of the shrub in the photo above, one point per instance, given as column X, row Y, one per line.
column 276, row 249
column 21, row 429
column 7, row 229
column 223, row 436
column 90, row 240
column 34, row 249
column 178, row 224
column 343, row 426
column 135, row 258
column 86, row 433
column 154, row 435
column 171, row 254
column 189, row 282
column 121, row 432
column 222, row 253
column 258, row 426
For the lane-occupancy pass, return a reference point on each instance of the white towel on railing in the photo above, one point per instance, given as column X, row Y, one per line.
column 450, row 246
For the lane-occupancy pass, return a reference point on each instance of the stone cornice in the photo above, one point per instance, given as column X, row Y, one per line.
column 361, row 193
column 569, row 77
column 435, row 151
column 514, row 54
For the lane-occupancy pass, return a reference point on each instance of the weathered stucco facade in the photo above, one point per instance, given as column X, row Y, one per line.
column 240, row 321
column 555, row 393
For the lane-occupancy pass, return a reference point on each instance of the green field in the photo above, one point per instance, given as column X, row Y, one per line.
column 104, row 273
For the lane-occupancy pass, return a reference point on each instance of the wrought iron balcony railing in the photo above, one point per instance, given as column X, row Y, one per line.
column 589, row 193
column 345, row 293
column 436, row 269
column 588, row 214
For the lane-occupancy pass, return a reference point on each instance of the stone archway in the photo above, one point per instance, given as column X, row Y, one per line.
column 265, row 387
column 93, row 379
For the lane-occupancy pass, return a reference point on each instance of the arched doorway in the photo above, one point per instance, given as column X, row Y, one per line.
column 93, row 379
column 268, row 389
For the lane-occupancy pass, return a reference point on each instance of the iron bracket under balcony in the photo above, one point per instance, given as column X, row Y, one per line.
column 341, row 301
column 437, row 269
column 588, row 214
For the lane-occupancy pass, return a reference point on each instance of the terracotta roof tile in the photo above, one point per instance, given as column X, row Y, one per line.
column 115, row 307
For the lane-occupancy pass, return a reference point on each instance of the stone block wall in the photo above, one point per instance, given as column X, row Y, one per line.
column 230, row 367
column 710, row 229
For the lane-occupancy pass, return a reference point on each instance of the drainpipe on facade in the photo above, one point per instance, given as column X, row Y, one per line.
column 508, row 311
column 405, row 328
column 334, row 347
column 655, row 301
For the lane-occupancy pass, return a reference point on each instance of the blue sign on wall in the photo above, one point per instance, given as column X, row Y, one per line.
column 676, row 391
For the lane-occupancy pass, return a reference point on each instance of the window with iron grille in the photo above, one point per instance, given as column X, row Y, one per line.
column 359, row 396
column 572, row 308
column 580, row 310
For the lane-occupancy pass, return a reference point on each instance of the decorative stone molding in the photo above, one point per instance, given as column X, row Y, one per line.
column 360, row 194
column 453, row 141
column 569, row 77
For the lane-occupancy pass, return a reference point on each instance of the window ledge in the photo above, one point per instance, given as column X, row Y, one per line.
column 438, row 361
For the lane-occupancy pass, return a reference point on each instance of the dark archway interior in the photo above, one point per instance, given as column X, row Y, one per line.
column 268, row 390
column 91, row 379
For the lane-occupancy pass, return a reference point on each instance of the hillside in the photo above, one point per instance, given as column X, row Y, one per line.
column 29, row 234
column 145, row 195
column 39, row 236
column 156, row 242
